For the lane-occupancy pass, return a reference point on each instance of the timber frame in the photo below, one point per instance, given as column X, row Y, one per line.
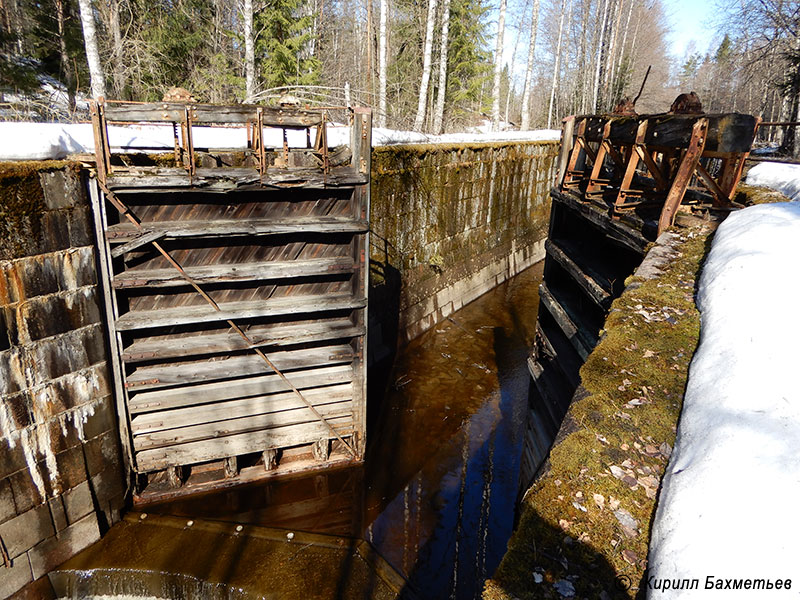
column 644, row 167
column 235, row 285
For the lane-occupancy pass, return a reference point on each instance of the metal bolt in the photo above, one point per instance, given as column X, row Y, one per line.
column 189, row 523
column 143, row 516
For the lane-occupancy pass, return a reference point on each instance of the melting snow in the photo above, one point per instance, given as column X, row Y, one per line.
column 728, row 504
column 41, row 141
column 782, row 177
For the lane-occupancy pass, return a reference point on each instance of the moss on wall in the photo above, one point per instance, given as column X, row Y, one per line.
column 438, row 210
column 22, row 205
column 586, row 520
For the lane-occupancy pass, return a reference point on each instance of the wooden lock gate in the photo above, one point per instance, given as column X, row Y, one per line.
column 235, row 285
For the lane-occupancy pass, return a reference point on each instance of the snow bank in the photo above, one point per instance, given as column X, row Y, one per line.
column 41, row 141
column 782, row 177
column 728, row 507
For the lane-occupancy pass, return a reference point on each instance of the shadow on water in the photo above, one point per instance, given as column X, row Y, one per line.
column 436, row 496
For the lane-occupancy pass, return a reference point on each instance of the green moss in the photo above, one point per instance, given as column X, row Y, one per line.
column 625, row 416
column 750, row 195
column 22, row 204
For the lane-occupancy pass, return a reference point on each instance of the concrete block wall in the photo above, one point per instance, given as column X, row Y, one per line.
column 454, row 221
column 61, row 479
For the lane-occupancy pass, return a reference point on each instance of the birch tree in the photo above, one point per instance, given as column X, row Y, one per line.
column 438, row 115
column 249, row 52
column 382, row 51
column 556, row 65
column 526, row 90
column 426, row 66
column 498, row 66
column 98, row 81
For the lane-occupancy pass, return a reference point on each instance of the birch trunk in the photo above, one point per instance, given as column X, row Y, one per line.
column 426, row 67
column 596, row 86
column 556, row 65
column 98, row 81
column 498, row 66
column 249, row 53
column 438, row 115
column 382, row 51
column 526, row 90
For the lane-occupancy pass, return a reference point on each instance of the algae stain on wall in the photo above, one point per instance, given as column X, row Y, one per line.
column 441, row 213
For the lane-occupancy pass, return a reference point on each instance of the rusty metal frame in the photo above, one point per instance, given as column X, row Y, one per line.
column 670, row 168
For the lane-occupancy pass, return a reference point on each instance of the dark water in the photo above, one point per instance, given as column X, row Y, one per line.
column 437, row 493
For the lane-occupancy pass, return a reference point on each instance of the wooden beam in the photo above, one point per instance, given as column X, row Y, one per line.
column 596, row 292
column 262, row 335
column 161, row 112
column 220, row 429
column 571, row 331
column 248, row 309
column 236, row 409
column 152, row 377
column 244, row 443
column 125, row 232
column 223, row 273
column 137, row 243
column 157, row 400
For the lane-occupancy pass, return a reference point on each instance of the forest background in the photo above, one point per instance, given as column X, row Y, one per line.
column 427, row 65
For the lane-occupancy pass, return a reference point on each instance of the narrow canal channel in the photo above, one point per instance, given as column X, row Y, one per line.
column 437, row 494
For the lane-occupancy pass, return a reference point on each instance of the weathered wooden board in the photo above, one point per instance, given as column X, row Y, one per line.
column 235, row 409
column 205, row 450
column 287, row 305
column 125, row 232
column 222, row 273
column 151, row 377
column 157, row 400
column 164, row 347
column 258, row 422
column 571, row 331
column 584, row 279
column 159, row 112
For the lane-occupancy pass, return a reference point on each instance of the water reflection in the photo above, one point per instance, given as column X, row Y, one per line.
column 437, row 492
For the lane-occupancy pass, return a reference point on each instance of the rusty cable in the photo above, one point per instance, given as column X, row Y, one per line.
column 126, row 212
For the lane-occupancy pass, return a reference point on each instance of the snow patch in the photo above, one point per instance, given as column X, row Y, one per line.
column 42, row 141
column 782, row 177
column 728, row 504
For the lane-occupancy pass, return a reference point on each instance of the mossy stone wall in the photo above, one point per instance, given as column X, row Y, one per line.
column 61, row 479
column 453, row 221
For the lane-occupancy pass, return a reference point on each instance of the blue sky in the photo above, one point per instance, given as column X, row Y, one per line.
column 690, row 20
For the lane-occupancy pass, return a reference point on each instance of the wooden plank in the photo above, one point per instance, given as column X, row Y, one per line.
column 244, row 443
column 235, row 409
column 159, row 112
column 229, row 179
column 202, row 371
column 616, row 231
column 226, row 390
column 596, row 292
column 261, row 335
column 111, row 310
column 564, row 322
column 248, row 309
column 137, row 243
column 125, row 232
column 221, row 273
column 218, row 429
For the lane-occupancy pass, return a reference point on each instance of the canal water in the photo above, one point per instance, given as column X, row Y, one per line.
column 436, row 496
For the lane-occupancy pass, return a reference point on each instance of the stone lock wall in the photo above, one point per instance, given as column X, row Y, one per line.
column 61, row 479
column 454, row 221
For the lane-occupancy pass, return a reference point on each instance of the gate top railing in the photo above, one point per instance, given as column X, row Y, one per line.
column 625, row 163
column 311, row 164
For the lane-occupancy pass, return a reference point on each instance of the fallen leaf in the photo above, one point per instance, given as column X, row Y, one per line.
column 599, row 500
column 649, row 354
column 630, row 556
column 579, row 506
column 564, row 524
column 629, row 524
column 613, row 503
column 617, row 472
column 565, row 588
